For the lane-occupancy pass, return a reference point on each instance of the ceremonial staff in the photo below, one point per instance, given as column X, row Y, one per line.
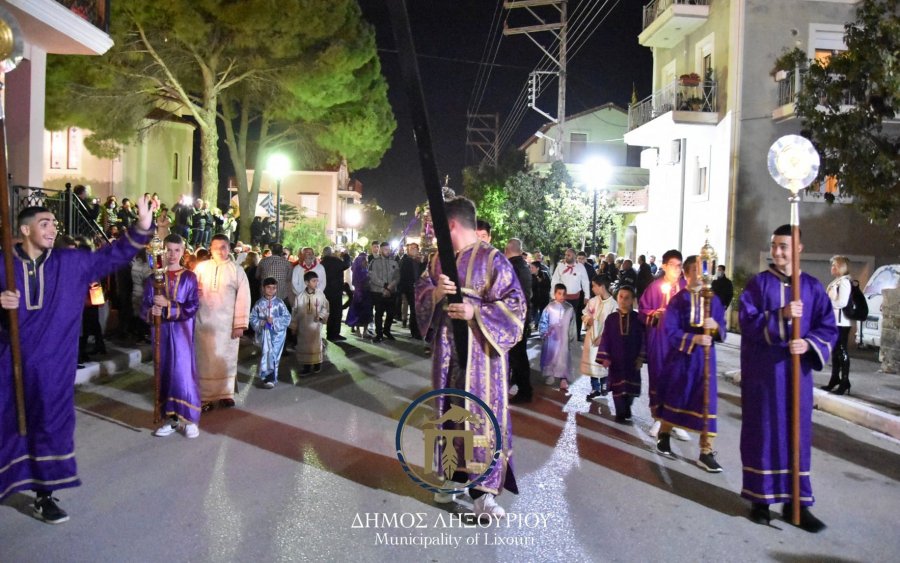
column 10, row 55
column 794, row 164
column 412, row 84
column 159, row 288
column 708, row 259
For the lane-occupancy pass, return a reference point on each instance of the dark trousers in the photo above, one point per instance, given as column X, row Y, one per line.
column 383, row 306
column 519, row 367
column 413, row 325
column 840, row 359
column 578, row 305
column 335, row 312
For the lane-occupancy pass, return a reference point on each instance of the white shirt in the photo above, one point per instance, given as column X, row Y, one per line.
column 573, row 276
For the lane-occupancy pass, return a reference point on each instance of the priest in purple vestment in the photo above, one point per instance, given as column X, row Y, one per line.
column 494, row 307
column 49, row 295
column 766, row 317
column 179, row 393
column 652, row 309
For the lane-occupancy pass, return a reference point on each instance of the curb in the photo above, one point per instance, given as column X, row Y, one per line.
column 851, row 411
column 119, row 360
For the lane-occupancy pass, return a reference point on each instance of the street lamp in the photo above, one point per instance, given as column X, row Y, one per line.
column 278, row 166
column 597, row 172
column 353, row 218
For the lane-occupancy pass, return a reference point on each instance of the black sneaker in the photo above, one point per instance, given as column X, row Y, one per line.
column 759, row 513
column 592, row 395
column 663, row 446
column 377, row 339
column 808, row 522
column 317, row 368
column 389, row 336
column 709, row 463
column 46, row 509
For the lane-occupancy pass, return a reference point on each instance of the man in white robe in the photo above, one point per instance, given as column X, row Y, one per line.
column 222, row 318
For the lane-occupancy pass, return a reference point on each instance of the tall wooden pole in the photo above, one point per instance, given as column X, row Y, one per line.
column 159, row 288
column 9, row 270
column 707, row 295
column 412, row 84
column 795, row 359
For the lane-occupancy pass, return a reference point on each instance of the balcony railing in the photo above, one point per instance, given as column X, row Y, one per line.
column 69, row 210
column 94, row 11
column 790, row 87
column 656, row 8
column 674, row 97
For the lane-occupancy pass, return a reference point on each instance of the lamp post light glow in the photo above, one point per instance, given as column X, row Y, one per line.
column 278, row 166
column 353, row 218
column 597, row 172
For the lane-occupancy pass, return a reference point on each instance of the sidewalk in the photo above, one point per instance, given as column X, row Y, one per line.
column 874, row 400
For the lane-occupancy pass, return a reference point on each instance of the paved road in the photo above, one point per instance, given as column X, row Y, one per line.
column 307, row 472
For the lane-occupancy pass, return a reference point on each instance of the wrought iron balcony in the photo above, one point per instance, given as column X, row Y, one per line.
column 674, row 97
column 788, row 89
column 94, row 11
column 667, row 22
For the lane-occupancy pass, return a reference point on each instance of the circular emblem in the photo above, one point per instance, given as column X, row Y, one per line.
column 449, row 439
column 793, row 162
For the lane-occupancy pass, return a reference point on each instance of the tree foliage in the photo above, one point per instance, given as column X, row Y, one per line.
column 299, row 75
column 306, row 231
column 845, row 102
column 377, row 224
column 549, row 212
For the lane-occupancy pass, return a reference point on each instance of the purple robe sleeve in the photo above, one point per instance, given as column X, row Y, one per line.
column 426, row 308
column 111, row 257
column 500, row 311
column 760, row 321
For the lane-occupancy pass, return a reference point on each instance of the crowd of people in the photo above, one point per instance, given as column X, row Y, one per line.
column 212, row 294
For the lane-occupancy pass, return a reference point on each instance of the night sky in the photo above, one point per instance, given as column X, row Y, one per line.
column 450, row 37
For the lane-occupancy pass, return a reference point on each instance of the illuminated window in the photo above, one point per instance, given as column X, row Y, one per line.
column 73, row 160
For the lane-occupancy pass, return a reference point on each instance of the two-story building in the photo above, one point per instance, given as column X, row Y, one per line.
column 707, row 127
column 597, row 133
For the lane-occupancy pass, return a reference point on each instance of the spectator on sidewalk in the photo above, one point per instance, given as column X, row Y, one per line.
column 334, row 289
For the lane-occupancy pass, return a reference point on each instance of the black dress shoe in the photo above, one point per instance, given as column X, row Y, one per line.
column 206, row 407
column 338, row 338
column 759, row 513
column 389, row 336
column 519, row 399
column 227, row 403
column 808, row 522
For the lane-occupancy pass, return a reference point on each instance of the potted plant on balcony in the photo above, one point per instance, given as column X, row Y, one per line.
column 692, row 79
column 788, row 61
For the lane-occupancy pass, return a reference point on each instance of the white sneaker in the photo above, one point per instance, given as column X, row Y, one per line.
column 166, row 429
column 681, row 434
column 654, row 430
column 446, row 498
column 485, row 505
column 191, row 430
column 550, row 380
column 513, row 390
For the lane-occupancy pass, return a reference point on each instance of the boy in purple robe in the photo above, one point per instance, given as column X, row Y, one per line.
column 681, row 398
column 621, row 351
column 557, row 329
column 49, row 296
column 766, row 317
column 495, row 308
column 652, row 311
column 179, row 395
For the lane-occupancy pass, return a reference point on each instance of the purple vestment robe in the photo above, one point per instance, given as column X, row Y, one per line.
column 490, row 285
column 766, row 382
column 50, row 308
column 557, row 329
column 179, row 394
column 658, row 347
column 681, row 391
column 360, row 311
column 622, row 344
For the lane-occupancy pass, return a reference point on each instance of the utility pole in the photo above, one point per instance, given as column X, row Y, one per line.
column 558, row 30
column 482, row 131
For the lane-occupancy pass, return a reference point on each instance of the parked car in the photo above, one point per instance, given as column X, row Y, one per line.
column 885, row 277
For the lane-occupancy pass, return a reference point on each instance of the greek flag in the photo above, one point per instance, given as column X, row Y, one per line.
column 267, row 202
